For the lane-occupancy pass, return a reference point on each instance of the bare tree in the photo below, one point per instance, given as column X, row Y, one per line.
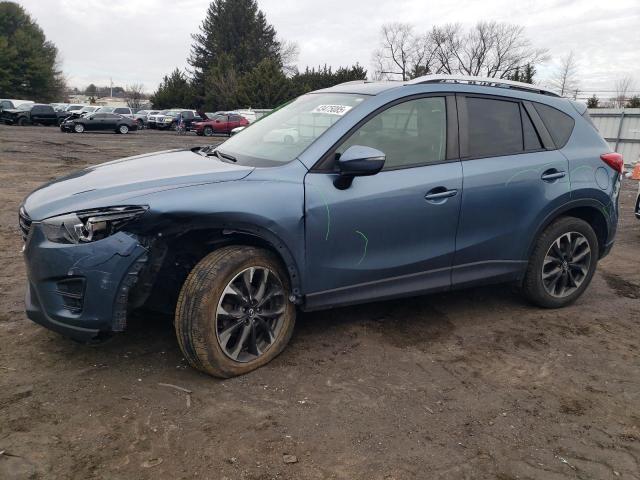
column 135, row 96
column 489, row 49
column 565, row 79
column 402, row 52
column 622, row 88
column 289, row 53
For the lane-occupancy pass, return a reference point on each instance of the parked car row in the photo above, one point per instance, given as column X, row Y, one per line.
column 79, row 118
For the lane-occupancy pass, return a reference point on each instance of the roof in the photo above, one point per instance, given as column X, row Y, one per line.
column 365, row 87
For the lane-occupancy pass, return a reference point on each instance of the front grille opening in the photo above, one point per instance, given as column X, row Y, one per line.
column 24, row 222
column 72, row 292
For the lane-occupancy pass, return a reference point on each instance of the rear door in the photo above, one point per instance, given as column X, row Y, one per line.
column 513, row 178
column 392, row 233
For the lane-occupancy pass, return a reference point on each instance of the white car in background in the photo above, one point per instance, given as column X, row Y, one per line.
column 124, row 111
column 249, row 114
column 153, row 120
column 74, row 107
column 282, row 135
column 12, row 103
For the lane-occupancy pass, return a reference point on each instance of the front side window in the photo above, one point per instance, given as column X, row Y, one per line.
column 494, row 127
column 286, row 132
column 409, row 134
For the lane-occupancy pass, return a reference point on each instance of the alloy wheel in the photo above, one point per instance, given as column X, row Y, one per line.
column 566, row 264
column 123, row 129
column 250, row 314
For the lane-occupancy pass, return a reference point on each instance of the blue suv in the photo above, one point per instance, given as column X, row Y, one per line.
column 360, row 192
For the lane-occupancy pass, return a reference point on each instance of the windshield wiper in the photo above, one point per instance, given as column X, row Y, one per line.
column 224, row 156
column 217, row 153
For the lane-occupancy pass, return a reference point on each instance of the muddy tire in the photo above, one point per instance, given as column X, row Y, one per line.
column 562, row 264
column 233, row 313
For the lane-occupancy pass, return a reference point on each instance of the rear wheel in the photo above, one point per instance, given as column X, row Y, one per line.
column 123, row 129
column 233, row 313
column 140, row 124
column 562, row 264
column 78, row 128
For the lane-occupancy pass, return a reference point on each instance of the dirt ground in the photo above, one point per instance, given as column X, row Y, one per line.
column 471, row 384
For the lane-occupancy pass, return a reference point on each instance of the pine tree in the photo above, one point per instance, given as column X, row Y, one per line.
column 221, row 85
column 27, row 60
column 174, row 91
column 593, row 102
column 528, row 73
column 238, row 29
column 265, row 87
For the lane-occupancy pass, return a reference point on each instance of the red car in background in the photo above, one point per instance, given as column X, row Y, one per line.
column 219, row 123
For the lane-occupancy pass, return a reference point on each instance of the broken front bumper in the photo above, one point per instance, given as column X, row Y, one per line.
column 81, row 290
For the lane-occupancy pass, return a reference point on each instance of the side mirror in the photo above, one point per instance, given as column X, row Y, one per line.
column 358, row 161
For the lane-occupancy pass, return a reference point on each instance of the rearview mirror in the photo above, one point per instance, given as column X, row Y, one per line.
column 358, row 161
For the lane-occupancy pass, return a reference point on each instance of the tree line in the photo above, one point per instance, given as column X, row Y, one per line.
column 237, row 59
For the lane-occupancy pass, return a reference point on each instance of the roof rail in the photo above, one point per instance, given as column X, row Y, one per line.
column 353, row 82
column 482, row 81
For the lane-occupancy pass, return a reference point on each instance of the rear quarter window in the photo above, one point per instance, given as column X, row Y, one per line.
column 559, row 124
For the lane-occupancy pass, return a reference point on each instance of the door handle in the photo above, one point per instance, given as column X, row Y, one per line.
column 440, row 193
column 552, row 175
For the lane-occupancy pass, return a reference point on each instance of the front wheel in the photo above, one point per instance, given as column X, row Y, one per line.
column 78, row 128
column 233, row 313
column 123, row 129
column 208, row 131
column 562, row 264
column 22, row 122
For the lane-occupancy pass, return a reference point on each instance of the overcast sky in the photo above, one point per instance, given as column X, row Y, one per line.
column 138, row 41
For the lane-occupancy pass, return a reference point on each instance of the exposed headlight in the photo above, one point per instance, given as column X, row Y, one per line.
column 89, row 225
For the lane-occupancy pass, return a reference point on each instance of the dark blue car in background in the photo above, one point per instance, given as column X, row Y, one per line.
column 359, row 192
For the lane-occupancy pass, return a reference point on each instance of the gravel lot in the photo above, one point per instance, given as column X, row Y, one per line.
column 470, row 384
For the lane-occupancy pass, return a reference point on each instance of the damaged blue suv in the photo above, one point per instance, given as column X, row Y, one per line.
column 360, row 192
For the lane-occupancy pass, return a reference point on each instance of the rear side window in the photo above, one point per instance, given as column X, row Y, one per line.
column 121, row 110
column 495, row 127
column 559, row 124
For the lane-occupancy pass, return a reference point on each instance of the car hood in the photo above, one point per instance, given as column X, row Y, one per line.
column 119, row 182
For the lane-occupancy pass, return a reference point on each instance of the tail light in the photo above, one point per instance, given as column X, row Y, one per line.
column 614, row 160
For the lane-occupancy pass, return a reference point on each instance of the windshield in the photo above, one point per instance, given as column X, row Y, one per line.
column 281, row 136
column 172, row 113
column 24, row 106
column 106, row 109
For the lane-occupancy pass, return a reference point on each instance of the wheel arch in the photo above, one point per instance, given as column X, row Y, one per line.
column 180, row 254
column 588, row 210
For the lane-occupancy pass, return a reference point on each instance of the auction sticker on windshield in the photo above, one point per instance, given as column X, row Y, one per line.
column 332, row 109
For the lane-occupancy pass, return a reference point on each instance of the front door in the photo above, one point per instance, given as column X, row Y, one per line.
column 393, row 233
